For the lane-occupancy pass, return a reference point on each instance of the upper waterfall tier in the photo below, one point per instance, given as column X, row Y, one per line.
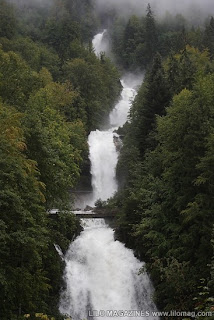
column 103, row 151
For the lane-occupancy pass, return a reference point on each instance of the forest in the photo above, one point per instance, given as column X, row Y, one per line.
column 165, row 202
column 53, row 91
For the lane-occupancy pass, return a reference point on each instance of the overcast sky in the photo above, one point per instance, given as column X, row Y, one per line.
column 186, row 7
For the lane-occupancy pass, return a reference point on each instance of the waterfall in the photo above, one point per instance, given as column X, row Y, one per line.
column 59, row 251
column 119, row 114
column 100, row 43
column 103, row 152
column 103, row 156
column 102, row 276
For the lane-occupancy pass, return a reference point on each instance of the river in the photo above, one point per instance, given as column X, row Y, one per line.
column 102, row 279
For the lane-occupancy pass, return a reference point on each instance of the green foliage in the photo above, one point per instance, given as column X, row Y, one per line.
column 153, row 96
column 152, row 99
column 136, row 41
column 208, row 39
column 62, row 227
column 132, row 39
column 49, row 137
column 43, row 143
column 167, row 159
column 150, row 34
column 100, row 204
column 184, row 68
column 165, row 211
column 31, row 17
column 97, row 82
column 30, row 269
column 84, row 13
column 35, row 54
column 8, row 21
column 22, row 220
column 59, row 34
column 17, row 79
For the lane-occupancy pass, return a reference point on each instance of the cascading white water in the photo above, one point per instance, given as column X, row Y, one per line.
column 102, row 275
column 100, row 43
column 119, row 114
column 103, row 152
column 103, row 157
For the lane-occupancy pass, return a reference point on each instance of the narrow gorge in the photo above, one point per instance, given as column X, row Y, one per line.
column 103, row 278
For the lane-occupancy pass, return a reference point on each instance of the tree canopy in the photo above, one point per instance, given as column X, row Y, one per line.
column 53, row 91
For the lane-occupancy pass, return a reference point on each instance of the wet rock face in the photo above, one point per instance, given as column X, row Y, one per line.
column 88, row 208
column 118, row 143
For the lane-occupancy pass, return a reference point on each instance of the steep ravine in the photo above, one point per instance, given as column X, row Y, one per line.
column 102, row 276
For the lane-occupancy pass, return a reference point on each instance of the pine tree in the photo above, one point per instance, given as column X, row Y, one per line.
column 8, row 22
column 152, row 99
column 151, row 38
column 208, row 40
column 131, row 40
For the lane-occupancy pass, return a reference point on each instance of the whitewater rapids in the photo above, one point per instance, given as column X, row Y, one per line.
column 102, row 276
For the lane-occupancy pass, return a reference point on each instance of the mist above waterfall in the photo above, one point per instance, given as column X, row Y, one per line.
column 125, row 8
column 133, row 80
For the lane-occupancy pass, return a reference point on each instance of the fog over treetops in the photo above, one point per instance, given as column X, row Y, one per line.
column 194, row 10
column 160, row 7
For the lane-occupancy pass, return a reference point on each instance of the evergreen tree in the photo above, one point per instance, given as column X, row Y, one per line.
column 8, row 22
column 208, row 40
column 184, row 68
column 60, row 33
column 151, row 38
column 132, row 38
column 168, row 197
column 22, row 219
column 152, row 99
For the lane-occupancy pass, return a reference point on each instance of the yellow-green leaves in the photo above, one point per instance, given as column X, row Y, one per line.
column 53, row 141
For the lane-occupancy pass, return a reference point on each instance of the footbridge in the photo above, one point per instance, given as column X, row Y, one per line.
column 94, row 215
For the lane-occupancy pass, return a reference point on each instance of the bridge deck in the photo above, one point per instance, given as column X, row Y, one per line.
column 88, row 214
column 95, row 215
